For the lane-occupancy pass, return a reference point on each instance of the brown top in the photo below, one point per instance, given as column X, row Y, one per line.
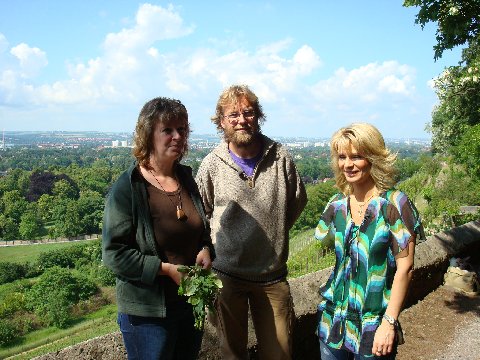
column 178, row 240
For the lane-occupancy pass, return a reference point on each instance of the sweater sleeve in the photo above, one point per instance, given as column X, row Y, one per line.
column 297, row 196
column 120, row 250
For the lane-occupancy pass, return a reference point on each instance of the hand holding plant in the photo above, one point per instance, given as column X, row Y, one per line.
column 200, row 286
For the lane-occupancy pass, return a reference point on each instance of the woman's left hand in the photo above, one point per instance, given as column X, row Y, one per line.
column 203, row 259
column 383, row 340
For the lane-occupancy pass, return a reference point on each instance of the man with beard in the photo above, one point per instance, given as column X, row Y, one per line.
column 252, row 194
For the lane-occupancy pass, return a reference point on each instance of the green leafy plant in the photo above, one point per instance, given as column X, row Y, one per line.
column 201, row 287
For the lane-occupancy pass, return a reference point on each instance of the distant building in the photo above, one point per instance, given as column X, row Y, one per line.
column 115, row 143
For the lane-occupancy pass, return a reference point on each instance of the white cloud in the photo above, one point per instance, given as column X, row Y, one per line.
column 153, row 23
column 31, row 59
column 368, row 83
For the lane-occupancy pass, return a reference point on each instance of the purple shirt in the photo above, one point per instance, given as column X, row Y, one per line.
column 247, row 165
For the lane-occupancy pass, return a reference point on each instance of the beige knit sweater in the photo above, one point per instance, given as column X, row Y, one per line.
column 249, row 225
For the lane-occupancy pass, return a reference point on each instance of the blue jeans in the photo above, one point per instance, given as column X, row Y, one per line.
column 169, row 338
column 329, row 353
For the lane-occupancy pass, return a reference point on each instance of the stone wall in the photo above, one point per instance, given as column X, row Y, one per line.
column 431, row 261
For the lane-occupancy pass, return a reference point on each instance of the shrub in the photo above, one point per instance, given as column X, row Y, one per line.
column 65, row 258
column 55, row 292
column 71, row 257
column 12, row 302
column 105, row 276
column 11, row 271
column 8, row 332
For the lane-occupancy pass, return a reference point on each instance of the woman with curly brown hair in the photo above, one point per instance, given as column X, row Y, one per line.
column 154, row 222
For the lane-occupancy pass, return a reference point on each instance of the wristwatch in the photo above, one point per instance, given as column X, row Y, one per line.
column 390, row 320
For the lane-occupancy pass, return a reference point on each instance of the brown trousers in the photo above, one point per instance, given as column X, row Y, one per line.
column 272, row 313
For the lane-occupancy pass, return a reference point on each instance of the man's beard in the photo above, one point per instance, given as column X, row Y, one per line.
column 241, row 138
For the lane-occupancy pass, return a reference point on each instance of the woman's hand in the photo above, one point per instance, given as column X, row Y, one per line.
column 171, row 270
column 203, row 258
column 384, row 339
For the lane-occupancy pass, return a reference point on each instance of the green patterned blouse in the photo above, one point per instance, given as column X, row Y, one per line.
column 358, row 290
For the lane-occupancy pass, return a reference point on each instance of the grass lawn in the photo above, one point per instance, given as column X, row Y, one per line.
column 25, row 253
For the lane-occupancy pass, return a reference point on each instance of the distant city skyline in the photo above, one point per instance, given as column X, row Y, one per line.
column 45, row 139
column 315, row 65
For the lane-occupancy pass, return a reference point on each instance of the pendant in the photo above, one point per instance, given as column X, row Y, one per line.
column 181, row 214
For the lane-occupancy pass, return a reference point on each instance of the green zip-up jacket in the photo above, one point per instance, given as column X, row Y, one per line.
column 129, row 247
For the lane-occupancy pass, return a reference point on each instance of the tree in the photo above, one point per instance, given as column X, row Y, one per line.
column 8, row 228
column 458, row 21
column 30, row 224
column 468, row 151
column 458, row 87
column 66, row 217
column 65, row 189
column 90, row 206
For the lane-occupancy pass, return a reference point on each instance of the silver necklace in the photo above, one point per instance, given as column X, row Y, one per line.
column 361, row 205
column 180, row 213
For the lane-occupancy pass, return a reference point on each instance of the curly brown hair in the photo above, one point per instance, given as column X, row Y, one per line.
column 232, row 95
column 158, row 110
column 369, row 143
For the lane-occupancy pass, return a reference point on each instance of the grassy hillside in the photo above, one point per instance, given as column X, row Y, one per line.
column 308, row 255
column 26, row 253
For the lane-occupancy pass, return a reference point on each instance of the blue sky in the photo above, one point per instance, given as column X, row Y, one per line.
column 315, row 65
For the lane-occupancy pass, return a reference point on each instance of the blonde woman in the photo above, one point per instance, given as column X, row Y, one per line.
column 375, row 229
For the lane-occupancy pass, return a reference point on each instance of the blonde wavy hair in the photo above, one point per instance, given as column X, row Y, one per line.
column 158, row 110
column 233, row 95
column 369, row 143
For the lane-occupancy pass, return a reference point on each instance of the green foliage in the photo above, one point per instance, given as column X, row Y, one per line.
column 458, row 87
column 407, row 167
column 71, row 256
column 105, row 276
column 318, row 196
column 10, row 272
column 312, row 257
column 313, row 168
column 56, row 290
column 467, row 152
column 31, row 226
column 458, row 21
column 12, row 302
column 8, row 332
column 201, row 287
column 444, row 187
column 64, row 258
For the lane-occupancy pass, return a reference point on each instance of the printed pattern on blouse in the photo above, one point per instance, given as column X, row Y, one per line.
column 357, row 293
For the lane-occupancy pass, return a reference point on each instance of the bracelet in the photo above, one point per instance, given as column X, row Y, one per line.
column 391, row 320
column 206, row 247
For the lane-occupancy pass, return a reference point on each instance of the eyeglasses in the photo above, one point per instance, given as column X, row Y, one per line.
column 235, row 116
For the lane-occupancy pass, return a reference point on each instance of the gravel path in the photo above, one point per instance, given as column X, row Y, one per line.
column 466, row 344
column 443, row 326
